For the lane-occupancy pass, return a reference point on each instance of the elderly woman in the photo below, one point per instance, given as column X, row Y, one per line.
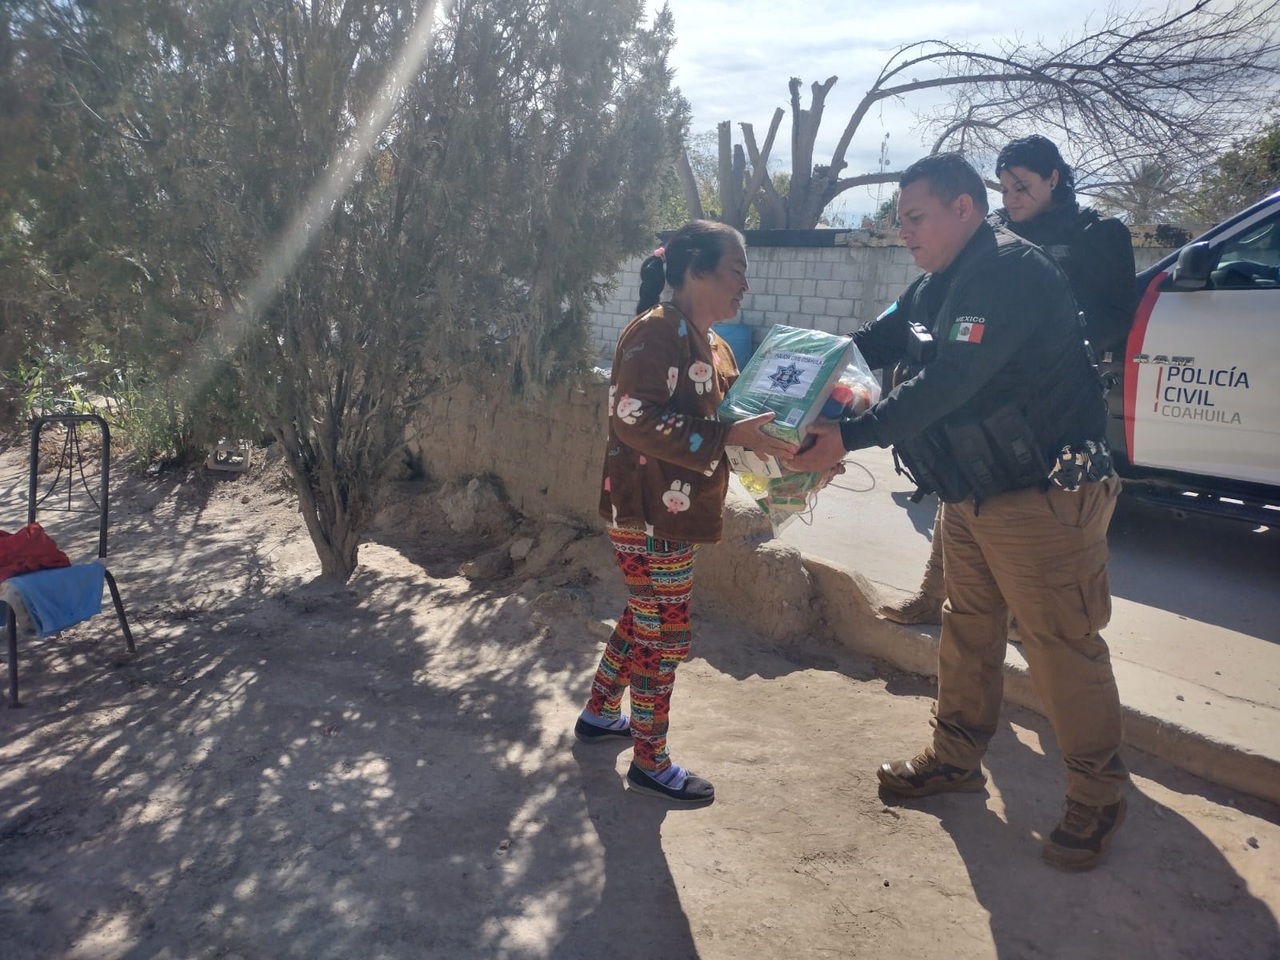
column 664, row 487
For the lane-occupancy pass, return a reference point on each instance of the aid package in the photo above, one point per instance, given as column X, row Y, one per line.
column 791, row 373
column 795, row 373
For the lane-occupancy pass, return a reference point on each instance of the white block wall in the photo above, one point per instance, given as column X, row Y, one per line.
column 609, row 319
column 835, row 289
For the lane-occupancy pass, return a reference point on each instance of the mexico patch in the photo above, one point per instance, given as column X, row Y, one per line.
column 967, row 330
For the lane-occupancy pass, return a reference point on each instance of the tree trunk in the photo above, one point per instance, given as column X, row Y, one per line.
column 736, row 216
column 807, row 196
column 334, row 529
column 339, row 547
column 689, row 185
column 760, row 190
column 725, row 171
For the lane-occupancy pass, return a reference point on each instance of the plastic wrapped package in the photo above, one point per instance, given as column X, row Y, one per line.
column 794, row 374
column 863, row 384
column 791, row 373
column 782, row 494
column 782, row 498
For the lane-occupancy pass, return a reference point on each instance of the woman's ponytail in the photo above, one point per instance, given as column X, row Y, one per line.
column 653, row 280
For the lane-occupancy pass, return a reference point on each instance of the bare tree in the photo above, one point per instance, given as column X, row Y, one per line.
column 738, row 186
column 1179, row 84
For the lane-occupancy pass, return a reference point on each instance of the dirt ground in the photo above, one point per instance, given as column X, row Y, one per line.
column 388, row 771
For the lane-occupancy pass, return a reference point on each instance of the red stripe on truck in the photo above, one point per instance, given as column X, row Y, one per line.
column 1137, row 336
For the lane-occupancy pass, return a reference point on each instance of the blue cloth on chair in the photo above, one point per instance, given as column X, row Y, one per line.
column 62, row 597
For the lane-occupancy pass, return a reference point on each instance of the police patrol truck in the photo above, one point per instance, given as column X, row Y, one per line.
column 1195, row 399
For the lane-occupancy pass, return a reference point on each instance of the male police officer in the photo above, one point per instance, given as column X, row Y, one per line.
column 1006, row 422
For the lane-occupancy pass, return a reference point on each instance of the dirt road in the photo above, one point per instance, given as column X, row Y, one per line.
column 389, row 772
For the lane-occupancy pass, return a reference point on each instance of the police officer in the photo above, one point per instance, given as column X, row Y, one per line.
column 1006, row 423
column 1095, row 253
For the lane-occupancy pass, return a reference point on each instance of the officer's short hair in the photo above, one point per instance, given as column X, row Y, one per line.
column 948, row 176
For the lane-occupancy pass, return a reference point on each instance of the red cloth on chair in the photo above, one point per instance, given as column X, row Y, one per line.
column 29, row 549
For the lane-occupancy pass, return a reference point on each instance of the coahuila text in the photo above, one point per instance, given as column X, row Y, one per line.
column 1199, row 413
column 1184, row 391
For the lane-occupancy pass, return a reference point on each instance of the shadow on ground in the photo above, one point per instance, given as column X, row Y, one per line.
column 1166, row 889
column 290, row 769
column 287, row 769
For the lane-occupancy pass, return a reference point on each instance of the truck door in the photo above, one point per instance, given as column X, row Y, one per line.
column 1202, row 388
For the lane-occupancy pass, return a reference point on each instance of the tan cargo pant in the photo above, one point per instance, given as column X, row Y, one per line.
column 1043, row 555
column 933, row 584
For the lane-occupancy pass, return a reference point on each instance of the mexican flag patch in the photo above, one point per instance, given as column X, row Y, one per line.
column 966, row 331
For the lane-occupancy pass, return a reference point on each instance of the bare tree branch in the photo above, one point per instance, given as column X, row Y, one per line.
column 1178, row 84
column 760, row 158
column 725, row 134
column 769, row 205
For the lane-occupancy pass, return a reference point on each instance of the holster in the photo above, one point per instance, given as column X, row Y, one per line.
column 928, row 464
column 976, row 458
column 998, row 453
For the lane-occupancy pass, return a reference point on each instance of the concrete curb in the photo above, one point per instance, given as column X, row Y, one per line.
column 844, row 596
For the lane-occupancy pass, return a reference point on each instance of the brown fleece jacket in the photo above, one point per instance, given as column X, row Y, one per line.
column 664, row 468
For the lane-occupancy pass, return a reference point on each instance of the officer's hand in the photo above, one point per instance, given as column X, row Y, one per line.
column 747, row 433
column 824, row 453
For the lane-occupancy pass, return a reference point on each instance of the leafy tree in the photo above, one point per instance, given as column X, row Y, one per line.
column 887, row 212
column 94, row 241
column 1177, row 84
column 331, row 210
column 1150, row 192
column 1246, row 173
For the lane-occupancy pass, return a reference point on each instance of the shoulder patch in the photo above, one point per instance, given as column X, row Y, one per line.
column 967, row 330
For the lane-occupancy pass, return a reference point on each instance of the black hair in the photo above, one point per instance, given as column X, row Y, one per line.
column 697, row 246
column 949, row 175
column 1040, row 155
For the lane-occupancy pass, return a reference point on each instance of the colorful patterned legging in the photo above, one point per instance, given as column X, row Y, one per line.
column 650, row 641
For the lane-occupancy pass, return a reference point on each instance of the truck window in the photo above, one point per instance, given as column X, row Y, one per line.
column 1251, row 260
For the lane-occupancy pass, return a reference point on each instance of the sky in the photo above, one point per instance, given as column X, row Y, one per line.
column 734, row 60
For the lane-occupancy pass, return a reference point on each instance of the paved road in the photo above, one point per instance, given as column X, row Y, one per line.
column 1195, row 632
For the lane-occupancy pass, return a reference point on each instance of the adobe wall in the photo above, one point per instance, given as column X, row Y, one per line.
column 547, row 455
column 547, row 452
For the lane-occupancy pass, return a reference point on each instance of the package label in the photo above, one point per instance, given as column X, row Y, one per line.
column 790, row 375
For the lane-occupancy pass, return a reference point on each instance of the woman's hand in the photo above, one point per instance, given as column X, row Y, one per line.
column 747, row 433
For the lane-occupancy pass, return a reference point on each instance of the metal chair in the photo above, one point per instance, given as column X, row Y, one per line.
column 72, row 463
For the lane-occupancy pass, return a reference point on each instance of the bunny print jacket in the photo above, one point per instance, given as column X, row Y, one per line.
column 664, row 469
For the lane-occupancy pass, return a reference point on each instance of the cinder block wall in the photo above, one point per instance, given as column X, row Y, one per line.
column 835, row 287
